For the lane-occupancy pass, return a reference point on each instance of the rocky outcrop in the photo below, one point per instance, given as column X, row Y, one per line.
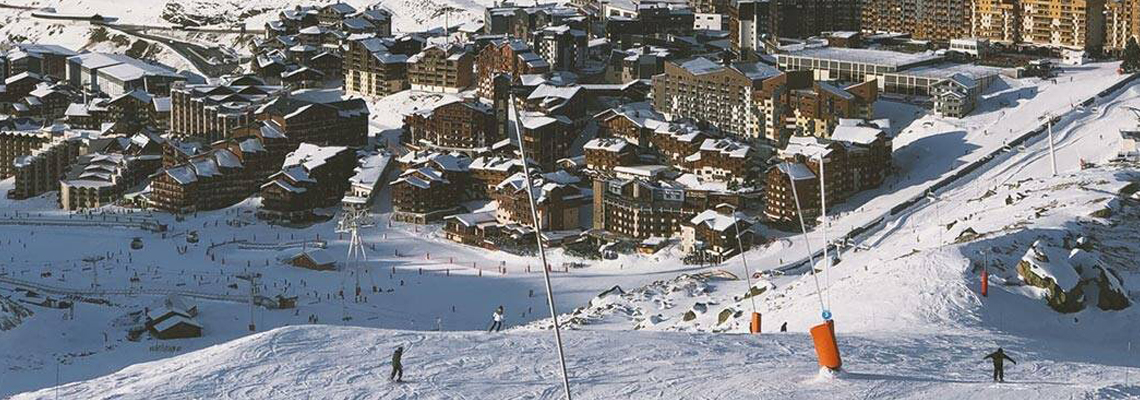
column 12, row 313
column 1072, row 281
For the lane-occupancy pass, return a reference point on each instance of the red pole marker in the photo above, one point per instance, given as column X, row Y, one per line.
column 755, row 328
column 985, row 283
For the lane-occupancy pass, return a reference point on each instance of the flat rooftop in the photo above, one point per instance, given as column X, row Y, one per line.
column 866, row 56
column 947, row 69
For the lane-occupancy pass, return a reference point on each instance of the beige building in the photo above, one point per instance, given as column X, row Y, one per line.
column 1121, row 23
column 996, row 20
column 712, row 93
column 1077, row 24
column 446, row 69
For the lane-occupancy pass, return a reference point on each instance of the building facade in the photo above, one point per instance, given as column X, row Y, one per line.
column 445, row 69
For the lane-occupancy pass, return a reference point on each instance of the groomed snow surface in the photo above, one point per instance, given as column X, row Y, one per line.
column 354, row 363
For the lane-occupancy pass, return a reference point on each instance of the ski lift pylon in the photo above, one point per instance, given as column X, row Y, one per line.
column 826, row 347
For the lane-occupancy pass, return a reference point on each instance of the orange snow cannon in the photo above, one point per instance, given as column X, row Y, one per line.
column 755, row 327
column 826, row 347
column 985, row 283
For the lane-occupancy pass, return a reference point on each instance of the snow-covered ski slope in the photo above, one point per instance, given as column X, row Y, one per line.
column 315, row 362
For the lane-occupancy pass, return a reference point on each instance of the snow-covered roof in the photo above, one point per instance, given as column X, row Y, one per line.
column 612, row 145
column 887, row 58
column 835, row 90
column 312, row 156
column 182, row 174
column 807, row 146
column 370, row 169
column 717, row 221
column 700, row 66
column 161, row 104
column 863, row 135
column 175, row 320
column 495, row 163
column 727, row 147
column 474, row 219
column 796, row 171
column 318, row 256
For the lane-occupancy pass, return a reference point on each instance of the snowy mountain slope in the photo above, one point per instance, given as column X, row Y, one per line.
column 342, row 363
column 920, row 274
column 408, row 15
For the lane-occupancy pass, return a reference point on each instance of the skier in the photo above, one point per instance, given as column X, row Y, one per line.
column 784, row 327
column 496, row 320
column 397, row 369
column 999, row 358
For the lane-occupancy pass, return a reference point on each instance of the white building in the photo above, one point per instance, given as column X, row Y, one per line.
column 116, row 74
column 709, row 22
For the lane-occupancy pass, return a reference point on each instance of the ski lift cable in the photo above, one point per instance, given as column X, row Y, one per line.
column 541, row 249
column 811, row 256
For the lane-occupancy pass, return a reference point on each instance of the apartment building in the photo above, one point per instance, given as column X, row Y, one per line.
column 465, row 125
column 546, row 139
column 804, row 18
column 794, row 103
column 935, row 20
column 301, row 120
column 857, row 158
column 1074, row 24
column 558, row 202
column 562, row 46
column 512, row 58
column 40, row 171
column 639, row 203
column 430, row 189
column 604, row 154
column 100, row 179
column 311, row 177
column 213, row 111
column 371, row 69
column 21, row 137
column 215, row 178
column 998, row 21
column 723, row 160
column 712, row 93
column 1121, row 23
column 444, row 69
column 717, row 234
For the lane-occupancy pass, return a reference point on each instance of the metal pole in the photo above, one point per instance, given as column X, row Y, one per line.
column 744, row 260
column 823, row 217
column 803, row 228
column 541, row 249
column 1052, row 152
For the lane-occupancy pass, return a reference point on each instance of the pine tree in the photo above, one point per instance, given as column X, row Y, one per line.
column 1131, row 57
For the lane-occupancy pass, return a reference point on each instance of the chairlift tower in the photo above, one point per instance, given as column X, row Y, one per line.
column 351, row 222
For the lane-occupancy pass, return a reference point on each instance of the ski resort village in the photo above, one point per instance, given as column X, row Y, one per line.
column 592, row 199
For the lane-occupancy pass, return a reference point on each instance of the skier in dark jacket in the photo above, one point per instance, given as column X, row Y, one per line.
column 397, row 369
column 999, row 358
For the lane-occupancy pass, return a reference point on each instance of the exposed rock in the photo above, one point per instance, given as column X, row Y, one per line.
column 12, row 313
column 1072, row 281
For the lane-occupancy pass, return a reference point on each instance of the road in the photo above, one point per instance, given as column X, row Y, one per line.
column 211, row 62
